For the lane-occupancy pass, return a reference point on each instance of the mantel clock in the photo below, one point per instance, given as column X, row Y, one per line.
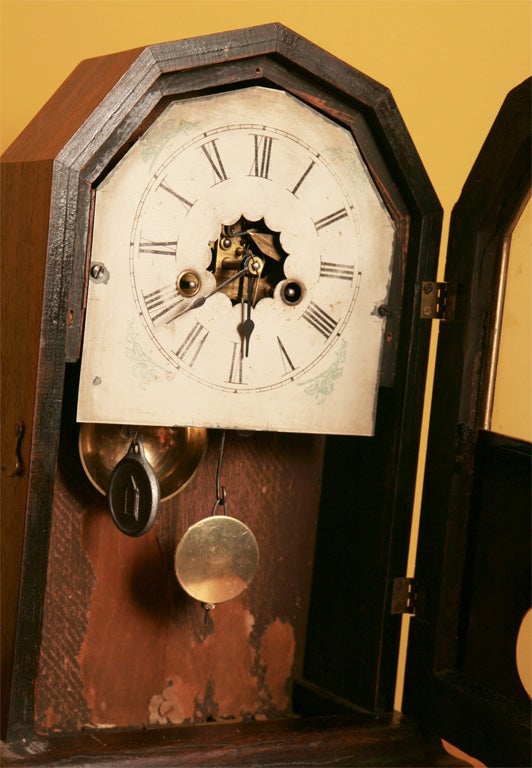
column 232, row 245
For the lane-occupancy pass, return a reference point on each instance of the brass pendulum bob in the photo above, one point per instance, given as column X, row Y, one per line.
column 217, row 557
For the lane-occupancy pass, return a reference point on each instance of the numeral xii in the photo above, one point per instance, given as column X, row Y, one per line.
column 262, row 156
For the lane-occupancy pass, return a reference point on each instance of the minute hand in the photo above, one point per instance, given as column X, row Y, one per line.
column 200, row 301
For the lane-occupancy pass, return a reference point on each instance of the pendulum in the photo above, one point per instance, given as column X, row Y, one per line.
column 218, row 556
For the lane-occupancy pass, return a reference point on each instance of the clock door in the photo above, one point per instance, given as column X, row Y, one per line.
column 473, row 564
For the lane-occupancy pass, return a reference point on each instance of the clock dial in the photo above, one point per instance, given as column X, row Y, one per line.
column 307, row 271
column 247, row 252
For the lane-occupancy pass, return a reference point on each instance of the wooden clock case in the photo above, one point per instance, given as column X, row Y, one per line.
column 334, row 523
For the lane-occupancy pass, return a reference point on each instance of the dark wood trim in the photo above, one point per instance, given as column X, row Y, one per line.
column 345, row 741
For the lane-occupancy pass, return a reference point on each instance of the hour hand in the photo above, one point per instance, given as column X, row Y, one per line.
column 255, row 265
column 248, row 325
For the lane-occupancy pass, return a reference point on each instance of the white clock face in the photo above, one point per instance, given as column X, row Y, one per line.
column 246, row 252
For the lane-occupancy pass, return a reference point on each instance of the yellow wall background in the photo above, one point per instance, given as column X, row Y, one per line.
column 448, row 63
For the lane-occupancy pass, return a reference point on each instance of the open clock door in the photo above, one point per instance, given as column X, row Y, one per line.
column 473, row 563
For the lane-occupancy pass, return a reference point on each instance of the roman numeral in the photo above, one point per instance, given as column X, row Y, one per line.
column 287, row 362
column 183, row 200
column 319, row 319
column 302, row 179
column 263, row 153
column 192, row 345
column 161, row 301
column 326, row 221
column 155, row 247
column 210, row 150
column 235, row 371
column 338, row 271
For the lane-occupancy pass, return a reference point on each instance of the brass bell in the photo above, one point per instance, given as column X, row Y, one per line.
column 173, row 452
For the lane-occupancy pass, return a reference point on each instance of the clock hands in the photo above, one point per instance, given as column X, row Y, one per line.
column 236, row 254
column 252, row 268
column 200, row 301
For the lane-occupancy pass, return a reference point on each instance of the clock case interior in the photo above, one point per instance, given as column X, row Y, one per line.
column 336, row 521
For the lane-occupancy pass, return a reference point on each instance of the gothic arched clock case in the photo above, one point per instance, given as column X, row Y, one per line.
column 235, row 233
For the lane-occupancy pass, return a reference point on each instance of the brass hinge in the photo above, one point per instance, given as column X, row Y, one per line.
column 438, row 300
column 404, row 595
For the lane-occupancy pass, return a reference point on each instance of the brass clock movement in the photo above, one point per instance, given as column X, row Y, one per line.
column 231, row 240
